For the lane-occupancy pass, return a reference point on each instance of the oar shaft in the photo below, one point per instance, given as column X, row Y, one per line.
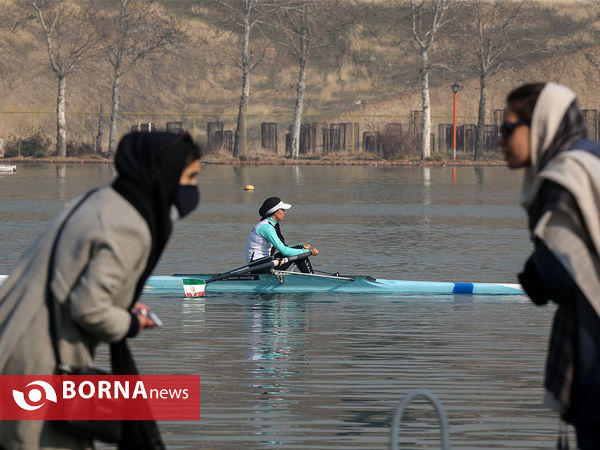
column 239, row 271
column 256, row 267
column 250, row 266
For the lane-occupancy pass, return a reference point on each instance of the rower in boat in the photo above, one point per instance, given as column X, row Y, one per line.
column 266, row 239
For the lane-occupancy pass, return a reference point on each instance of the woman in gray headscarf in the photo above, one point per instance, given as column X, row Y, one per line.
column 543, row 132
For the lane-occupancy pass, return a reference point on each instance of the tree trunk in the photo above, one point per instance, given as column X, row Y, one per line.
column 426, row 130
column 114, row 115
column 240, row 130
column 480, row 137
column 61, row 122
column 99, row 134
column 299, row 109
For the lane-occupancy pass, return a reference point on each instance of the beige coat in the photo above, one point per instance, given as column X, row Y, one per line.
column 101, row 254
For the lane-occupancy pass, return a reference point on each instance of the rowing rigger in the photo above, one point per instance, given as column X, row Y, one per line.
column 194, row 286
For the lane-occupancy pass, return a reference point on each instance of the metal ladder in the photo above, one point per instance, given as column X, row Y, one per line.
column 408, row 398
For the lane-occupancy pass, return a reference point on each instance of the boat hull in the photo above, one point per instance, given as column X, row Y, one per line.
column 298, row 283
column 293, row 282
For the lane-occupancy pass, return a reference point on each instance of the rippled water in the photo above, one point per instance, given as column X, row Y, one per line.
column 316, row 371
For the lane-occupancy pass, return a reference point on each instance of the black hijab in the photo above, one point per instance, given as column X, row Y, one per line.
column 150, row 166
column 268, row 204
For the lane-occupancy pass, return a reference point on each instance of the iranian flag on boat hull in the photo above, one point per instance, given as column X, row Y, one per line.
column 193, row 287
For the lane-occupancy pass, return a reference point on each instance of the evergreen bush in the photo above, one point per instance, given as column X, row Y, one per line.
column 79, row 149
column 37, row 144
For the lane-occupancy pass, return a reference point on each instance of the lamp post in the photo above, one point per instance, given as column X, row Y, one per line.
column 455, row 89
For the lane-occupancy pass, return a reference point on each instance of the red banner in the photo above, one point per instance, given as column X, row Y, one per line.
column 99, row 397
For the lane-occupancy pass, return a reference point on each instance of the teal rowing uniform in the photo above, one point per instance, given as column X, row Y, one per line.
column 263, row 238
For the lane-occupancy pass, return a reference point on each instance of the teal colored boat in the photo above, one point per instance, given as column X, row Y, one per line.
column 296, row 282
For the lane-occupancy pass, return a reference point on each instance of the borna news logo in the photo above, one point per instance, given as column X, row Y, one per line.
column 99, row 397
column 35, row 396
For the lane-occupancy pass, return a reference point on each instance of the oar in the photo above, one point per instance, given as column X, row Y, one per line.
column 251, row 265
column 195, row 288
column 254, row 265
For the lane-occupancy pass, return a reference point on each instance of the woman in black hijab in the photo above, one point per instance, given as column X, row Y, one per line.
column 157, row 173
column 150, row 167
column 89, row 267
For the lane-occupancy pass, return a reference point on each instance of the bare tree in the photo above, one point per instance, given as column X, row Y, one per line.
column 141, row 30
column 587, row 43
column 98, row 137
column 7, row 16
column 245, row 18
column 296, row 22
column 498, row 35
column 428, row 16
column 592, row 59
column 299, row 23
column 71, row 35
column 307, row 26
column 19, row 65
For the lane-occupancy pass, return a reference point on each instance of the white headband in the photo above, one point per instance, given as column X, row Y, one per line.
column 279, row 205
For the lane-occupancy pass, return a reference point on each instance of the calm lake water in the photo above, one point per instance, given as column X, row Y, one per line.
column 317, row 371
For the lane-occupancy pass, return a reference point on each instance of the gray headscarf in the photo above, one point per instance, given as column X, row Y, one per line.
column 556, row 124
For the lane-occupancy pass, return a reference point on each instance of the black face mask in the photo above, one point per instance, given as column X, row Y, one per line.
column 188, row 197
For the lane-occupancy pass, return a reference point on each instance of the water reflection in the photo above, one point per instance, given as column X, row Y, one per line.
column 196, row 308
column 61, row 180
column 277, row 328
column 241, row 179
column 479, row 171
column 297, row 174
column 426, row 176
column 426, row 181
column 275, row 325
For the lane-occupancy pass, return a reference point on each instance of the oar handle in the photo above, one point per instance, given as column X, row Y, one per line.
column 299, row 257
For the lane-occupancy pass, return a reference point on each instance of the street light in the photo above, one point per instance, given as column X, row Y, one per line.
column 455, row 88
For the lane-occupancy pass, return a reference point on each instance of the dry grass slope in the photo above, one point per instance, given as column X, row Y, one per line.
column 199, row 76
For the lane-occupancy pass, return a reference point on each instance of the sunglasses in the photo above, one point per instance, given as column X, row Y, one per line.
column 508, row 128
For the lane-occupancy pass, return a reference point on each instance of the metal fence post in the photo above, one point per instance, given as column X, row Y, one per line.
column 194, row 127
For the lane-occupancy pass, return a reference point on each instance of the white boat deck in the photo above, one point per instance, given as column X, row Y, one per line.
column 4, row 168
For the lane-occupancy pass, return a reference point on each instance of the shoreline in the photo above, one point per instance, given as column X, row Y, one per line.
column 261, row 160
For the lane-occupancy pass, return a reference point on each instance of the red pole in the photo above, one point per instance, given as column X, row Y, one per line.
column 454, row 131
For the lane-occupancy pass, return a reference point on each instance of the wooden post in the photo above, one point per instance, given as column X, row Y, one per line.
column 352, row 148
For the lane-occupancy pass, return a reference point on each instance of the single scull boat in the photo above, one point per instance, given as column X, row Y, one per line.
column 249, row 279
column 296, row 282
